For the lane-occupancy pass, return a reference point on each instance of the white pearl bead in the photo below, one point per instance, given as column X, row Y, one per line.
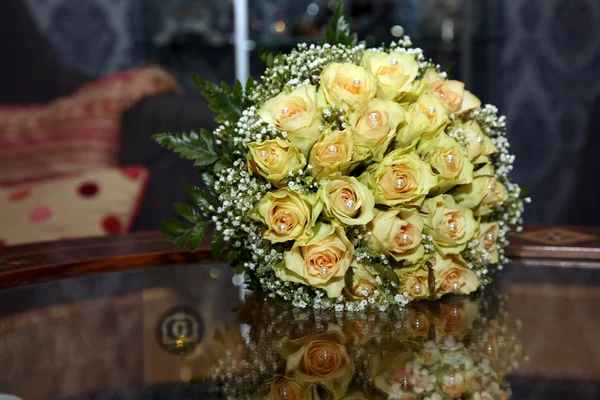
column 490, row 349
column 405, row 238
column 417, row 322
column 284, row 393
column 492, row 186
column 432, row 110
column 349, row 203
column 490, row 236
column 331, row 149
column 263, row 154
column 450, row 158
column 356, row 81
column 455, row 286
column 325, row 354
column 443, row 96
column 285, row 110
column 394, row 61
column 479, row 139
column 324, row 271
column 399, row 183
column 282, row 228
column 418, row 290
column 453, row 227
column 374, row 116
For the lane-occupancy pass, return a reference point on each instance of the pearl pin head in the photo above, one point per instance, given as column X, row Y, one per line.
column 374, row 116
column 324, row 271
column 356, row 81
column 405, row 238
column 453, row 227
column 285, row 110
column 350, row 203
column 479, row 139
column 331, row 149
column 394, row 61
column 490, row 236
column 432, row 110
column 399, row 183
column 450, row 158
column 263, row 154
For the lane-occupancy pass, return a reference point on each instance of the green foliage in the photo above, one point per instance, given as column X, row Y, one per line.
column 338, row 31
column 267, row 57
column 349, row 279
column 229, row 104
column 387, row 273
column 192, row 146
column 184, row 236
column 450, row 71
column 218, row 245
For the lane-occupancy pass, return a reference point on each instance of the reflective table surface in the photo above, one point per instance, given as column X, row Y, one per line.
column 182, row 332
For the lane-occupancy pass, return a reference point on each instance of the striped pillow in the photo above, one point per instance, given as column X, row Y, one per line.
column 74, row 133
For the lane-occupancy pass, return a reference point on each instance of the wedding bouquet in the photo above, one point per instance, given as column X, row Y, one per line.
column 458, row 347
column 351, row 177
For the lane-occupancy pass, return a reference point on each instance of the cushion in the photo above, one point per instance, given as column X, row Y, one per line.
column 75, row 133
column 94, row 203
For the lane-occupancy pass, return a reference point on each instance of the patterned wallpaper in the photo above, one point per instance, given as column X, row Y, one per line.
column 92, row 35
column 551, row 61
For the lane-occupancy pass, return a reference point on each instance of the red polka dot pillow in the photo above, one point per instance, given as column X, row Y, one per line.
column 94, row 203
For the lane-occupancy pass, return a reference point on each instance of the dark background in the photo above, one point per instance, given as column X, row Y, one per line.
column 537, row 60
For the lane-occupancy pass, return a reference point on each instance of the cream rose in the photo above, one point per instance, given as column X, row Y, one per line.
column 288, row 215
column 333, row 154
column 364, row 282
column 483, row 194
column 321, row 262
column 446, row 158
column 425, row 118
column 375, row 124
column 479, row 145
column 347, row 85
column 451, row 93
column 347, row 200
column 450, row 224
column 397, row 233
column 399, row 179
column 274, row 160
column 295, row 113
column 320, row 359
column 414, row 281
column 488, row 236
column 284, row 388
column 395, row 72
column 453, row 276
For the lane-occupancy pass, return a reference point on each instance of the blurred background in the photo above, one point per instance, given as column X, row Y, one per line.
column 537, row 60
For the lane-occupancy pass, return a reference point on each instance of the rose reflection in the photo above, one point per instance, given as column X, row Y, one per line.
column 459, row 347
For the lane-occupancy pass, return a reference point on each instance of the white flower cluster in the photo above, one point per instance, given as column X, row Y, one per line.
column 302, row 66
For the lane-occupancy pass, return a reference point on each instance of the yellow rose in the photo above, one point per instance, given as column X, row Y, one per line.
column 347, row 85
column 295, row 113
column 451, row 225
column 320, row 359
column 395, row 72
column 488, row 235
column 414, row 281
column 483, row 194
column 446, row 158
column 274, row 160
column 479, row 145
column 288, row 215
column 397, row 233
column 451, row 93
column 364, row 282
column 399, row 179
column 284, row 388
column 347, row 200
column 453, row 276
column 321, row 262
column 374, row 125
column 333, row 154
column 425, row 118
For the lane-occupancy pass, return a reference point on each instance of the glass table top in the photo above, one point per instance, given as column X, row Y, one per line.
column 183, row 332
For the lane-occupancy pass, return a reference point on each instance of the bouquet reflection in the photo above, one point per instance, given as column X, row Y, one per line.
column 455, row 348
